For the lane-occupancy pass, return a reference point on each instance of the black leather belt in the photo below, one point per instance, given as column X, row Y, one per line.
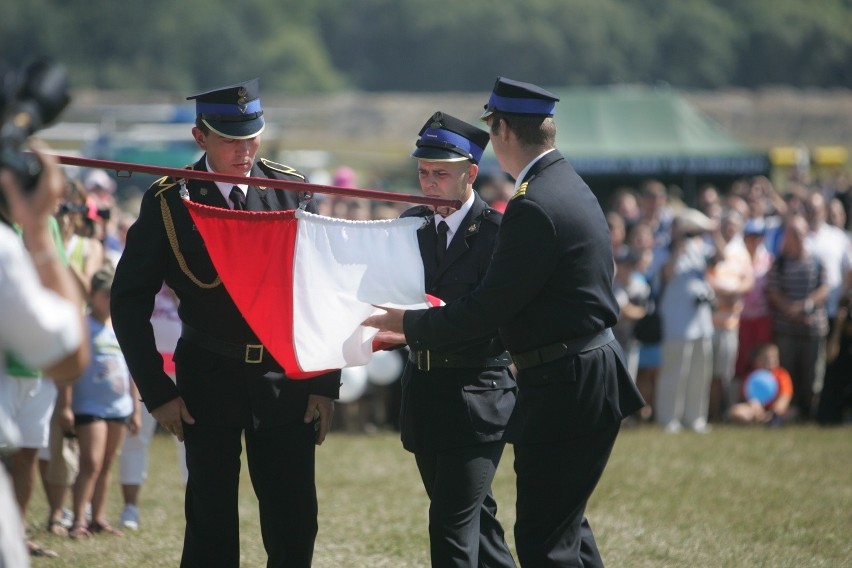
column 428, row 360
column 556, row 351
column 252, row 353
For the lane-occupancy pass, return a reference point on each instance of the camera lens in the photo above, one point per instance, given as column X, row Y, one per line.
column 30, row 101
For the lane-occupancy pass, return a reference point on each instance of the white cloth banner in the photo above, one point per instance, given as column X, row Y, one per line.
column 341, row 269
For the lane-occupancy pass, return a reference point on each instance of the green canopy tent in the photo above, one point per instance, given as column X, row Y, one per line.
column 619, row 136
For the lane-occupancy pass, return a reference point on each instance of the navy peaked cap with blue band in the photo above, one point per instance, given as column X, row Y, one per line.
column 233, row 111
column 514, row 97
column 445, row 138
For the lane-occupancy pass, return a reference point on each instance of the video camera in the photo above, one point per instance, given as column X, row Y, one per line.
column 29, row 100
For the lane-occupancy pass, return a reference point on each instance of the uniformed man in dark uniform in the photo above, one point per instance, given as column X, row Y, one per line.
column 456, row 401
column 549, row 292
column 227, row 383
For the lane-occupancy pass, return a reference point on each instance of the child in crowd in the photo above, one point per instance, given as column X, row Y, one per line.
column 102, row 404
column 767, row 391
column 632, row 293
column 134, row 454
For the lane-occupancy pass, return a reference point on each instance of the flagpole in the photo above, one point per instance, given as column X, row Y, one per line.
column 183, row 173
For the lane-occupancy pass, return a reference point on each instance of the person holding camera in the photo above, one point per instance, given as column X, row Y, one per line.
column 59, row 462
column 42, row 323
column 32, row 398
column 683, row 389
column 85, row 252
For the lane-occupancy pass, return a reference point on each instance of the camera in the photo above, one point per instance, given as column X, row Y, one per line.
column 66, row 208
column 29, row 100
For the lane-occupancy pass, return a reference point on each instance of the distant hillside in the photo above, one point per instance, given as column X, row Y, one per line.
column 380, row 128
column 781, row 116
column 763, row 118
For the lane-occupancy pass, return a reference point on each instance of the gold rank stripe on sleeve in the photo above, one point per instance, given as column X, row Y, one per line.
column 166, row 183
column 281, row 168
column 522, row 190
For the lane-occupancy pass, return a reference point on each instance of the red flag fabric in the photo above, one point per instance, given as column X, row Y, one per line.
column 304, row 282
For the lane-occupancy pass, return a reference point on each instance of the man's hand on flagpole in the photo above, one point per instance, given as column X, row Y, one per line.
column 390, row 321
column 320, row 411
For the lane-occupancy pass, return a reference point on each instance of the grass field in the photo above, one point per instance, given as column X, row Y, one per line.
column 736, row 497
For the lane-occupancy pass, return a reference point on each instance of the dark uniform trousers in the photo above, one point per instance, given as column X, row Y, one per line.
column 227, row 395
column 557, row 472
column 453, row 417
column 280, row 458
column 463, row 525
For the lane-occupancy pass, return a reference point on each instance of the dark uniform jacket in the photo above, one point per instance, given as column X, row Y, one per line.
column 550, row 281
column 164, row 245
column 451, row 407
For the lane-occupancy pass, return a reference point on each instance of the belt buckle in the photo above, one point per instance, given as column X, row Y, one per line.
column 420, row 358
column 254, row 353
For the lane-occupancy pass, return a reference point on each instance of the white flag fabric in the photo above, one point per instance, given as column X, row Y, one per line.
column 341, row 269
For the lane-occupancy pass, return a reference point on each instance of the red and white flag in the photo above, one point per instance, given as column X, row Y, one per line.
column 305, row 282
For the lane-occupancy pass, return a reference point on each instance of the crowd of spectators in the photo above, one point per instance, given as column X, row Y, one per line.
column 741, row 267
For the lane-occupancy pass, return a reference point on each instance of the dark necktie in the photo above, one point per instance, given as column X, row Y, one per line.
column 237, row 198
column 441, row 247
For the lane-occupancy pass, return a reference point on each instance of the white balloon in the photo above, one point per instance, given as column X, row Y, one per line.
column 353, row 383
column 384, row 367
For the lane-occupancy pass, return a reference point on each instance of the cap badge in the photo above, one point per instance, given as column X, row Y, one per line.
column 203, row 191
column 242, row 92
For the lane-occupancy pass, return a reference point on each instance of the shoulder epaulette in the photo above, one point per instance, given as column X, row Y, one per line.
column 522, row 190
column 166, row 182
column 163, row 184
column 281, row 168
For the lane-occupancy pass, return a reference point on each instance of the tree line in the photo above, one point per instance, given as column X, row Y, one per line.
column 314, row 46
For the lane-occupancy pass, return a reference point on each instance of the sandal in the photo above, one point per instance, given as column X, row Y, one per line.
column 37, row 551
column 97, row 527
column 55, row 527
column 78, row 532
